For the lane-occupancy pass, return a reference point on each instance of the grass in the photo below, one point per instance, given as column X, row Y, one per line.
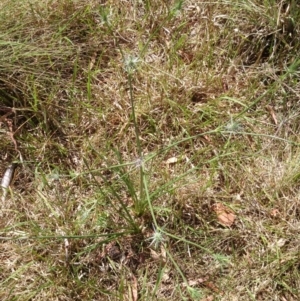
column 131, row 121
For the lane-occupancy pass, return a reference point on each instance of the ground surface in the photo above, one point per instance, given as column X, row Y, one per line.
column 157, row 145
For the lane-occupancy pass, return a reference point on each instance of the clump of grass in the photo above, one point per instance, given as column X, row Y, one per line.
column 130, row 121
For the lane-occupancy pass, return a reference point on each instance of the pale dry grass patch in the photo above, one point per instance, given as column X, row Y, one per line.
column 94, row 212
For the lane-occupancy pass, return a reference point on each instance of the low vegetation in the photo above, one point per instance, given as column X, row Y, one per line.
column 157, row 150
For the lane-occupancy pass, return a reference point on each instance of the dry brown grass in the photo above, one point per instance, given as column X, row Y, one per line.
column 96, row 210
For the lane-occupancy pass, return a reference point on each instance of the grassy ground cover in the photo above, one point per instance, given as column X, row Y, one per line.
column 157, row 145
